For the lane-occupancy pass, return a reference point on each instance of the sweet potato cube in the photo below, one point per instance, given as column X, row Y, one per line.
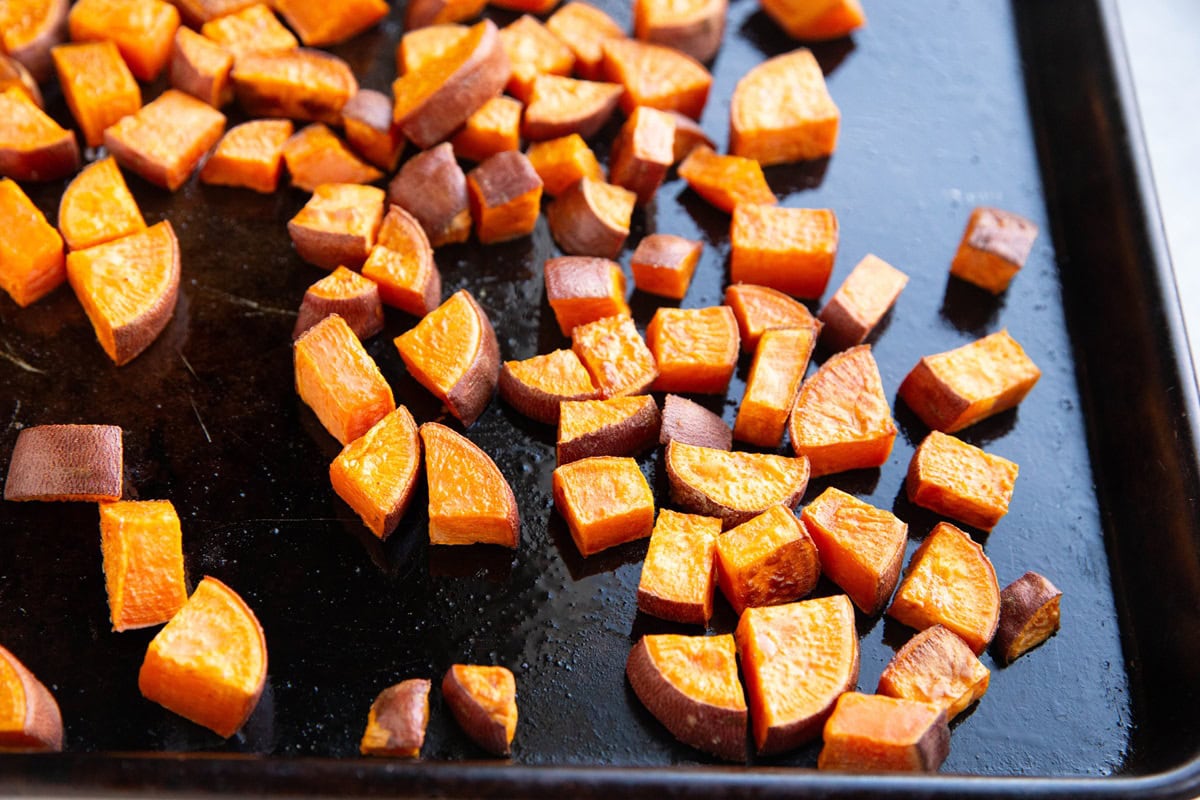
column 663, row 264
column 31, row 720
column 339, row 381
column 961, row 481
column 584, row 28
column 605, row 501
column 937, row 667
column 315, row 155
column 322, row 24
column 1029, row 615
column 494, row 128
column 484, row 702
column 470, row 501
column 98, row 87
column 453, row 353
column 31, row 251
column 143, row 30
column 402, row 264
column 726, row 181
column 538, row 386
column 953, row 390
column 254, row 29
column 781, row 111
column 142, row 546
column 643, row 152
column 581, row 289
column 14, row 75
column 767, row 560
column 33, row 147
column 420, row 45
column 533, row 50
column 615, row 355
column 420, row 13
column 559, row 106
column 656, row 76
column 861, row 546
column 347, row 294
column 433, row 188
column 780, row 361
column 789, row 249
column 797, row 659
column 696, row 349
column 691, row 423
column 761, row 308
column 63, row 463
column 816, row 21
column 97, row 207
column 201, row 68
column 301, row 84
column 338, row 225
column 993, row 248
column 367, row 120
column 198, row 12
column 858, row 305
column 678, row 575
column 506, row 197
column 249, row 155
column 694, row 27
column 734, row 486
column 562, row 162
column 841, row 419
column 950, row 582
column 397, row 720
column 871, row 733
column 619, row 426
column 165, row 140
column 29, row 29
column 591, row 218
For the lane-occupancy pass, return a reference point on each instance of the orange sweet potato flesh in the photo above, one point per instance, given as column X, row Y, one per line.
column 690, row 684
column 209, row 664
column 761, row 308
column 433, row 188
column 841, row 419
column 198, row 12
column 494, row 128
column 961, row 481
column 55, row 463
column 420, row 45
column 142, row 29
column 656, row 76
column 165, row 140
column 316, row 156
column 605, row 501
column 862, row 300
column 789, row 249
column 29, row 29
column 950, row 582
column 532, row 50
column 470, row 501
column 562, row 162
column 420, row 13
column 691, row 423
column 782, row 112
column 591, row 218
column 581, row 289
column 249, row 156
column 694, row 27
column 816, row 21
column 347, row 294
column 367, row 119
column 128, row 288
column 993, row 248
column 377, row 472
column 321, row 24
column 797, row 660
column 14, row 75
column 484, row 702
column 29, row 716
column 584, row 28
column 142, row 545
column 696, row 349
column 33, row 147
column 688, row 136
column 766, row 561
column 397, row 720
column 298, row 84
column 733, row 486
column 643, row 152
column 615, row 355
column 338, row 225
column 1029, row 615
column 663, row 264
column 559, row 106
column 98, row 87
column 725, row 181
column 538, row 386
column 780, row 361
column 937, row 667
column 619, row 426
column 861, row 546
column 202, row 68
column 254, row 29
column 339, row 381
column 31, row 251
column 402, row 264
column 870, row 733
column 506, row 196
column 678, row 575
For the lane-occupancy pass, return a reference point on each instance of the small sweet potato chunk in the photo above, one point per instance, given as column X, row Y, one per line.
column 347, row 294
column 615, row 355
column 198, row 12
column 690, row 684
column 696, row 349
column 961, row 481
column 663, row 264
column 858, row 305
column 691, row 423
column 397, row 720
column 562, row 162
column 252, row 30
column 766, row 561
column 470, row 501
column 338, row 225
column 694, row 27
column 98, row 87
column 780, row 361
column 619, row 426
column 605, row 501
column 643, row 152
column 726, row 181
column 761, row 308
column 506, row 197
column 781, row 111
column 559, row 106
column 993, row 248
column 656, row 76
column 63, row 463
column 584, row 28
column 249, row 155
column 28, row 31
column 871, row 733
column 202, row 68
column 433, row 188
column 538, row 386
column 301, row 84
column 142, row 29
column 402, row 264
column 377, row 472
column 321, row 24
column 734, row 486
column 581, row 289
column 142, row 545
column 532, row 50
column 688, row 136
column 165, row 140
column 30, row 720
column 420, row 13
column 97, row 207
column 31, row 251
column 591, row 218
column 484, row 702
column 937, row 667
column 789, row 249
column 33, row 147
column 494, row 128
column 419, row 45
column 1029, row 615
column 367, row 120
column 316, row 156
column 14, row 75
column 951, row 582
column 678, row 575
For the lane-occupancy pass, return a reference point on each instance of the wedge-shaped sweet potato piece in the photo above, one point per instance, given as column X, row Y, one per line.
column 678, row 575
column 591, row 218
column 562, row 162
column 249, row 155
column 961, row 481
column 691, row 423
column 98, row 87
column 339, row 381
column 98, row 207
column 871, row 733
column 321, row 24
column 584, row 28
column 780, row 361
column 433, row 188
column 663, row 264
column 347, row 294
column 209, row 664
column 128, row 288
column 165, row 140
column 142, row 29
column 767, row 561
column 315, row 155
column 298, row 84
column 841, row 419
column 798, row 659
column 57, row 463
column 816, row 21
column 198, row 12
column 142, row 546
column 14, row 75
column 202, row 68
column 937, row 667
column 862, row 300
column 725, row 181
column 696, row 349
column 338, row 225
column 377, row 472
column 619, row 426
column 533, row 50
column 734, row 486
column 581, row 289
column 420, row 13
column 993, row 248
column 559, row 106
column 950, row 582
column 253, row 29
column 953, row 390
column 506, row 197
column 417, row 46
column 367, row 119
column 694, row 27
column 1029, row 615
column 494, row 128
column 29, row 29
column 402, row 264
column 31, row 251
column 470, row 501
column 656, row 76
column 688, row 136
column 690, row 684
column 761, row 308
column 30, row 719
column 781, row 111
column 789, row 249
column 605, row 501
column 397, row 720
column 538, row 386
column 861, row 546
column 453, row 353
column 615, row 355
column 484, row 702
column 643, row 152
column 33, row 147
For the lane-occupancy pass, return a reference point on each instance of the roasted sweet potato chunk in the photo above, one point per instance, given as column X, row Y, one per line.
column 663, row 264
column 870, row 733
column 533, row 50
column 367, row 119
column 433, row 188
column 696, row 349
column 142, row 546
column 33, row 147
column 619, row 426
column 198, row 12
column 993, row 248
column 591, row 218
column 30, row 719
column 484, row 702
column 62, row 463
column 581, row 289
column 766, row 561
column 347, row 294
column 538, row 386
column 694, row 26
column 691, row 423
column 397, row 720
column 584, row 28
column 678, row 575
column 321, row 24
column 781, row 111
column 961, row 481
column 643, row 152
column 789, row 249
column 506, row 197
column 937, row 667
column 402, row 264
column 725, row 181
column 338, row 225
column 165, row 140
column 559, row 106
column 28, row 31
column 605, row 501
column 1029, row 615
column 420, row 45
column 656, row 76
column 688, row 136
column 14, row 75
column 97, row 207
column 377, row 472
column 761, row 308
column 316, row 156
column 494, row 128
column 780, row 361
column 251, row 30
column 249, row 155
column 615, row 355
column 816, row 21
column 470, row 501
column 731, row 485
column 301, row 84
column 420, row 13
column 862, row 300
column 31, row 251
column 142, row 29
column 201, row 68
column 98, row 87
column 562, row 162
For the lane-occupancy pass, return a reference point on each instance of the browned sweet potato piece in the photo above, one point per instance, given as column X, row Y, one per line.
column 31, row 719
column 605, row 500
column 377, row 473
column 678, row 575
column 937, row 667
column 526, row 6
column 562, row 162
column 338, row 225
column 643, row 151
column 582, row 289
column 816, row 21
column 734, row 486
column 688, row 136
column 315, row 155
column 584, row 28
column 663, row 264
column 367, row 119
column 693, row 27
column 321, row 24
column 98, row 87
column 725, row 181
column 31, row 251
column 66, row 462
column 13, row 74
column 591, row 218
column 961, row 481
column 198, row 12
column 249, row 155
column 767, row 560
column 696, row 349
column 691, row 423
column 484, row 702
column 433, row 188
column 776, row 374
column 397, row 720
column 254, row 29
column 33, row 147
column 506, row 197
column 538, row 386
column 871, row 733
column 993, row 248
column 201, row 68
column 616, row 356
column 789, row 249
column 494, row 128
column 470, row 501
column 760, row 308
column 656, row 76
column 142, row 29
column 862, row 300
column 28, row 30
column 420, row 45
column 619, row 426
column 97, row 207
column 420, row 13
column 532, row 50
column 165, row 141
column 559, row 106
column 781, row 111
column 298, row 84
column 402, row 264
column 1029, row 615
column 347, row 294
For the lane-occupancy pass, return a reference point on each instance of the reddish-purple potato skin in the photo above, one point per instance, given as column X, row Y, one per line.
column 689, row 422
column 66, row 462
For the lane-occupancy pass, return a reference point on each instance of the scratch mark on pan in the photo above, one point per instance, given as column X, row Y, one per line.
column 187, row 364
column 12, row 421
column 11, row 357
column 198, row 419
column 246, row 302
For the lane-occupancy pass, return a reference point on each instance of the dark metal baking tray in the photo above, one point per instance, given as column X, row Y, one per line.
column 946, row 105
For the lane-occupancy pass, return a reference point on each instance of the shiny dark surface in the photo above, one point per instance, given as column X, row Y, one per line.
column 959, row 105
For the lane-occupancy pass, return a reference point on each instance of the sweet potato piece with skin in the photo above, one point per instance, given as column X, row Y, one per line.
column 816, row 21
column 14, row 75
column 619, row 426
column 338, row 225
column 538, row 386
column 725, row 181
column 98, row 207
column 559, row 106
column 960, row 481
column 1029, row 615
column 321, row 24
column 953, row 390
column 128, row 288
column 98, row 87
column 484, row 702
column 526, row 6
column 605, row 501
column 861, row 546
column 862, row 300
column 377, row 472
column 950, row 582
column 663, row 264
column 797, row 659
column 209, row 664
column 470, row 501
column 367, row 120
column 643, row 152
column 249, row 155
column 584, row 28
column 760, row 308
column 615, row 355
column 678, row 575
column 143, row 30
column 402, row 264
column 694, row 27
column 781, row 111
column 937, row 667
column 142, row 546
column 789, row 249
column 252, row 30
column 506, row 197
column 31, row 251
column 339, row 381
column 302, row 84
column 31, row 720
column 656, row 76
column 433, row 188
column 165, row 140
column 315, row 155
column 582, row 289
column 532, row 50
column 29, row 30
column 201, row 68
column 690, row 684
column 426, row 44
column 397, row 720
column 696, row 349
column 347, row 294
column 734, row 486
column 453, row 353
column 766, row 561
column 780, row 361
column 494, row 128
column 562, row 162
column 198, row 12
column 422, row 13
column 870, row 733
column 691, row 423
column 688, row 136
column 33, row 147
column 591, row 218
column 993, row 248
column 66, row 463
